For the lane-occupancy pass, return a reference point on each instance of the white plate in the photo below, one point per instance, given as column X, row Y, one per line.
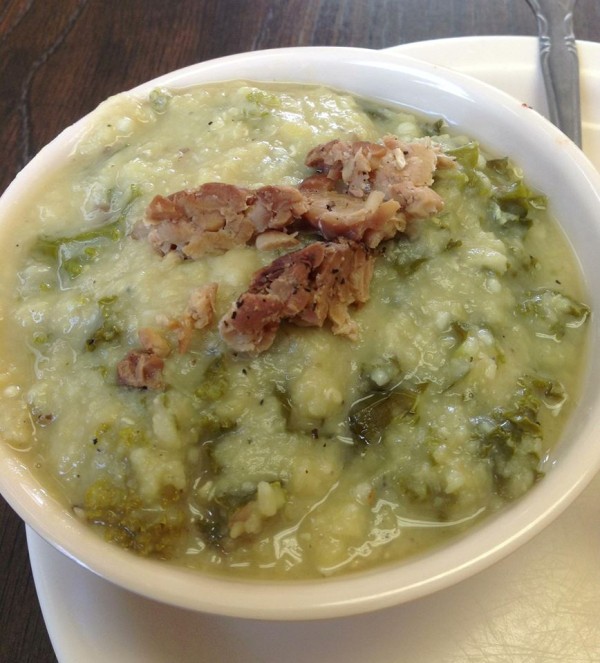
column 542, row 603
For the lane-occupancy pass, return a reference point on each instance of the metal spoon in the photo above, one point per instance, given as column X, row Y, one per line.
column 560, row 65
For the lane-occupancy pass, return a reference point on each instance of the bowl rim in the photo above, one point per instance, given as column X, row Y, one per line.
column 347, row 594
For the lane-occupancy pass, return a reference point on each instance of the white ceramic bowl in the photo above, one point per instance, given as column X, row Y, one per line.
column 503, row 125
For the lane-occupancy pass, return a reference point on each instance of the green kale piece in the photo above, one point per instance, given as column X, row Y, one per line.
column 511, row 200
column 70, row 254
column 212, row 520
column 510, row 438
column 467, row 155
column 552, row 313
column 372, row 414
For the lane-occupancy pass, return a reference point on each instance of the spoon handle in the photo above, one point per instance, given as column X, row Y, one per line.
column 560, row 65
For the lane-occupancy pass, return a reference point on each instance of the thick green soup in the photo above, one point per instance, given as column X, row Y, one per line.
column 284, row 332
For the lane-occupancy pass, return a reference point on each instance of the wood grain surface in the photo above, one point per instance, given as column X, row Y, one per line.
column 60, row 58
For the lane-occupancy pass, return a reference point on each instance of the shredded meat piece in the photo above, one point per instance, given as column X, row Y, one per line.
column 275, row 239
column 363, row 191
column 406, row 175
column 275, row 207
column 305, row 287
column 199, row 313
column 368, row 191
column 352, row 163
column 362, row 194
column 201, row 305
column 153, row 342
column 141, row 369
column 216, row 217
column 334, row 214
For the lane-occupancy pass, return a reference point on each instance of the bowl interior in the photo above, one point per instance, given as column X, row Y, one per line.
column 505, row 127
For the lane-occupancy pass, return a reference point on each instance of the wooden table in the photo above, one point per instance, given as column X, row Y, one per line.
column 60, row 58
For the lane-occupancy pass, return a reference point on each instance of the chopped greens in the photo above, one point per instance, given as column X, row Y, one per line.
column 372, row 414
column 510, row 201
column 551, row 313
column 511, row 436
column 70, row 254
column 124, row 520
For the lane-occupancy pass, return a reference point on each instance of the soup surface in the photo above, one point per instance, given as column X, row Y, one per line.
column 366, row 423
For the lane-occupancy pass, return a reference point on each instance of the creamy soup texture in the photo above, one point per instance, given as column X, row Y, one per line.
column 326, row 452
